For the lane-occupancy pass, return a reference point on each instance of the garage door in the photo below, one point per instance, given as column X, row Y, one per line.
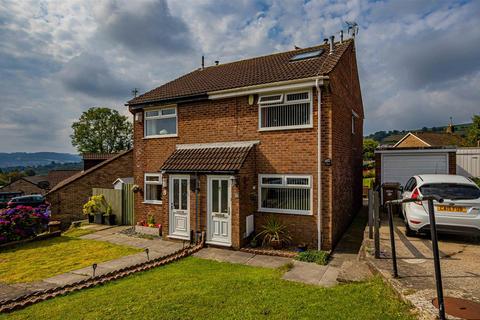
column 400, row 167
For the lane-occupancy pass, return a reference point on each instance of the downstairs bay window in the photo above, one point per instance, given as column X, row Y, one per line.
column 285, row 194
column 153, row 188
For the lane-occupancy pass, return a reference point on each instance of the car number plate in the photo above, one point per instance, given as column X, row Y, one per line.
column 451, row 209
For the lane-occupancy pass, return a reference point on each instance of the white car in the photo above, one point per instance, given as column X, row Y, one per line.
column 458, row 214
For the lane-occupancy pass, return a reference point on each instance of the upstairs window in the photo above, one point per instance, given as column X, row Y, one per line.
column 161, row 122
column 292, row 110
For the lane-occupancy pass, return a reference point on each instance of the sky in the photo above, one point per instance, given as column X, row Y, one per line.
column 419, row 61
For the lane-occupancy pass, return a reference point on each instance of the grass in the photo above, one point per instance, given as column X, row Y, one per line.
column 201, row 289
column 46, row 258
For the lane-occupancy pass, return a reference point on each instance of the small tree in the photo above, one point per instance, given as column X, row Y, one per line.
column 102, row 130
column 369, row 146
column 473, row 133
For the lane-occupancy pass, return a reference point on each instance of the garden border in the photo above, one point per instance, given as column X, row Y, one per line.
column 42, row 295
column 270, row 252
column 44, row 236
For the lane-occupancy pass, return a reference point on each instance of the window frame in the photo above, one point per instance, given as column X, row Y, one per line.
column 284, row 102
column 159, row 183
column 160, row 116
column 284, row 185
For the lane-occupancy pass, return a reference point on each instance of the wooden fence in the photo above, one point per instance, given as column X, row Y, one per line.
column 121, row 202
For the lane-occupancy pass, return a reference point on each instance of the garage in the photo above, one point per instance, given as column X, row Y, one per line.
column 398, row 165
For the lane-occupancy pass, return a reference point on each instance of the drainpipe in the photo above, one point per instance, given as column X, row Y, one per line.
column 319, row 165
column 197, row 186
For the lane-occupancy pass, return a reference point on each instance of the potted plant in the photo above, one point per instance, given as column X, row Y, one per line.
column 89, row 209
column 274, row 233
column 254, row 242
column 110, row 217
column 96, row 206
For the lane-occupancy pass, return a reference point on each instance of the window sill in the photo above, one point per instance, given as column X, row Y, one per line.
column 152, row 202
column 161, row 136
column 279, row 211
column 286, row 128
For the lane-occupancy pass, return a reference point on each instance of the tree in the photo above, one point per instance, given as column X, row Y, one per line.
column 473, row 133
column 30, row 172
column 102, row 130
column 369, row 146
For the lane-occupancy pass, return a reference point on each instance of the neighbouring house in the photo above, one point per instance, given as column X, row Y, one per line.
column 224, row 147
column 429, row 139
column 28, row 185
column 92, row 159
column 54, row 177
column 67, row 197
column 418, row 153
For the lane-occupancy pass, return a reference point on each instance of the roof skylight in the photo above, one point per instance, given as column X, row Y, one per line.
column 307, row 55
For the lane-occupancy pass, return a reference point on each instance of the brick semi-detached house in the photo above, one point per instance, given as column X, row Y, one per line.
column 224, row 147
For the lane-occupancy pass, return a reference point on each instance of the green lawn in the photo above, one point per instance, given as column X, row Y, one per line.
column 42, row 259
column 200, row 289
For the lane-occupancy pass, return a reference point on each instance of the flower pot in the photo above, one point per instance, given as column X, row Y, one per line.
column 110, row 219
column 91, row 218
column 254, row 243
column 99, row 219
column 276, row 244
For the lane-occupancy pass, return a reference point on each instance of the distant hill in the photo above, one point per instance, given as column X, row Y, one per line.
column 393, row 136
column 25, row 159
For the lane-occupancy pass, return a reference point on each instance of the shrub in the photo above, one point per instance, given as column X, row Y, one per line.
column 23, row 222
column 97, row 204
column 319, row 257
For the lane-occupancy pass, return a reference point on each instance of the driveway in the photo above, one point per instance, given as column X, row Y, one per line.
column 460, row 265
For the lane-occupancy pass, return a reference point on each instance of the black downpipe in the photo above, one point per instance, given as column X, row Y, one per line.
column 197, row 187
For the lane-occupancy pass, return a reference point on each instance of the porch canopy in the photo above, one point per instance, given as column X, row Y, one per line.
column 223, row 157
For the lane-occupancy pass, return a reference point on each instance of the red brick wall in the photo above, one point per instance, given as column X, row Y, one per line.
column 346, row 147
column 452, row 162
column 67, row 202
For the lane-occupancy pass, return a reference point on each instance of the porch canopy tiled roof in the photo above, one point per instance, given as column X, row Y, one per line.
column 271, row 68
column 213, row 157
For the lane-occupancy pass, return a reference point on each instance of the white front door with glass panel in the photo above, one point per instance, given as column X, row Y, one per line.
column 179, row 222
column 219, row 210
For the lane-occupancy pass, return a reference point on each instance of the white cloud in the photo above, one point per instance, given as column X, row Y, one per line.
column 417, row 59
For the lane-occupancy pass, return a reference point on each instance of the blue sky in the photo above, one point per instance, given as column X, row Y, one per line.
column 418, row 60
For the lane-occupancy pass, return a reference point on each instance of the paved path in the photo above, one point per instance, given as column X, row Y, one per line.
column 157, row 248
column 460, row 265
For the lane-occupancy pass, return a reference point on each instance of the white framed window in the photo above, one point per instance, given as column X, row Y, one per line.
column 354, row 119
column 152, row 188
column 160, row 123
column 288, row 110
column 288, row 193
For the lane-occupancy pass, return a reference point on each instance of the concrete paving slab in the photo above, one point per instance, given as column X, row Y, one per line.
column 306, row 272
column 330, row 277
column 268, row 261
column 65, row 278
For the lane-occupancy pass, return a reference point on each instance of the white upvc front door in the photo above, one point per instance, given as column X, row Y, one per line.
column 219, row 226
column 179, row 204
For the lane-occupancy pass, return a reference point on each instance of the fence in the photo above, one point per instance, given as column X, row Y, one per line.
column 121, row 202
column 468, row 162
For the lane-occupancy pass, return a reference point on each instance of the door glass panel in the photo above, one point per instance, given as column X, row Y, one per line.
column 224, row 196
column 215, row 190
column 184, row 194
column 176, row 194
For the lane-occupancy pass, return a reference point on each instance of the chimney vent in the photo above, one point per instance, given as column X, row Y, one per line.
column 203, row 62
column 217, row 62
column 325, row 41
column 332, row 41
column 341, row 36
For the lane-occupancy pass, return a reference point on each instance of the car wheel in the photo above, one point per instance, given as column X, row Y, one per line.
column 409, row 232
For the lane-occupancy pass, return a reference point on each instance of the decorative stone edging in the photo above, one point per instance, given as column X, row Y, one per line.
column 42, row 295
column 44, row 236
column 271, row 252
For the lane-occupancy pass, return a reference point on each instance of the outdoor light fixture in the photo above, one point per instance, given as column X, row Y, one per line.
column 147, row 251
column 327, row 162
column 233, row 180
column 94, row 267
column 138, row 117
column 251, row 99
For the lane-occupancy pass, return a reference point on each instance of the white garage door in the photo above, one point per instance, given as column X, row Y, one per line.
column 400, row 167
